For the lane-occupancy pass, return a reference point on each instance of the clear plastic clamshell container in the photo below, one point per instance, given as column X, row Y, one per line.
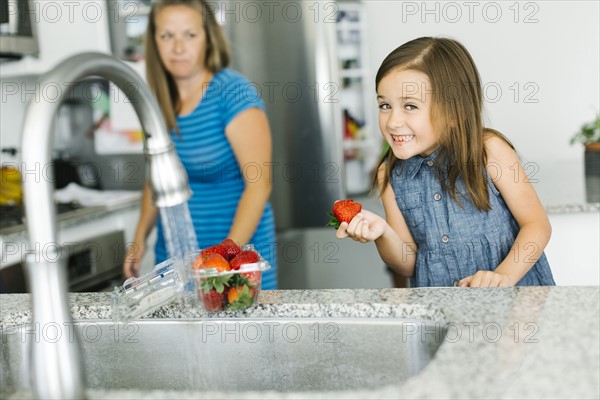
column 138, row 296
column 229, row 290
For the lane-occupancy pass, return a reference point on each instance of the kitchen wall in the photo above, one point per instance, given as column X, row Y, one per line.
column 539, row 61
column 539, row 64
column 64, row 28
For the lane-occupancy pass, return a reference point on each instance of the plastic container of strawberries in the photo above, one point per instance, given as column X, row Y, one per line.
column 221, row 289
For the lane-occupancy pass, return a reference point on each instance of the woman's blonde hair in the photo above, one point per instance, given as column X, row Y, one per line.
column 456, row 113
column 160, row 81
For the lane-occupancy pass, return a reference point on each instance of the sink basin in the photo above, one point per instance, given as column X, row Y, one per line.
column 294, row 354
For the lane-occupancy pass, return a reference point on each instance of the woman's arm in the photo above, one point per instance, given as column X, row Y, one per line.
column 394, row 242
column 511, row 181
column 250, row 138
column 147, row 220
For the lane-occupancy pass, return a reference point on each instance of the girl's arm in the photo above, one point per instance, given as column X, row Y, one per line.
column 511, row 181
column 250, row 138
column 147, row 220
column 391, row 235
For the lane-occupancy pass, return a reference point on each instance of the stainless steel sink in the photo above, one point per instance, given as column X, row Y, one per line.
column 295, row 354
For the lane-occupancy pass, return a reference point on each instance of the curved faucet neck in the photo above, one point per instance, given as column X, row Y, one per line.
column 56, row 367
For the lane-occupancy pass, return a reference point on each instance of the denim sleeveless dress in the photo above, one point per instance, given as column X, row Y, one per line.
column 455, row 242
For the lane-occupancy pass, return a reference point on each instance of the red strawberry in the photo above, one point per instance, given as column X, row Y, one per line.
column 216, row 261
column 213, row 300
column 245, row 257
column 344, row 211
column 231, row 249
column 216, row 249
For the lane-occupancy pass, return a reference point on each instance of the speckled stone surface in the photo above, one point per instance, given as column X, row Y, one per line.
column 513, row 343
column 573, row 208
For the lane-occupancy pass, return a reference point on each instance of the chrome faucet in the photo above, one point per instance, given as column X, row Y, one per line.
column 56, row 365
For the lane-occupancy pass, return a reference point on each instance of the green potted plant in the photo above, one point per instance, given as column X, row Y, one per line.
column 589, row 136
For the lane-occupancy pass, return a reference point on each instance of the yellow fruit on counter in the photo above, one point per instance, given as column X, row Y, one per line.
column 10, row 174
column 11, row 189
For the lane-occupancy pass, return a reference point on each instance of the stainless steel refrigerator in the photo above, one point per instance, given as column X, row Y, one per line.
column 287, row 49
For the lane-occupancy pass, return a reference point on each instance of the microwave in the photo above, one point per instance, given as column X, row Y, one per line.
column 17, row 29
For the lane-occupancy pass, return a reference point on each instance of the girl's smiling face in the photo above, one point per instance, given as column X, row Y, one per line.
column 181, row 40
column 405, row 98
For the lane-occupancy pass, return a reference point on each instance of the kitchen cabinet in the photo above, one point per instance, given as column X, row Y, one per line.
column 360, row 142
column 91, row 240
column 64, row 28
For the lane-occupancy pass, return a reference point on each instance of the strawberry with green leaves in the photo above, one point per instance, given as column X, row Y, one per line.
column 240, row 297
column 213, row 288
column 253, row 281
column 344, row 211
column 226, row 289
column 252, row 278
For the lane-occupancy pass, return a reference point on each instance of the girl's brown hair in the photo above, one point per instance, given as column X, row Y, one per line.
column 456, row 113
column 160, row 81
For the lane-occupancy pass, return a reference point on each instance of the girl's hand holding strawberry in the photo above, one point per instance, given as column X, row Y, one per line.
column 351, row 220
column 364, row 227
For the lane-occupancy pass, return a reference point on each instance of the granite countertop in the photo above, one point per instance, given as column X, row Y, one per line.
column 574, row 208
column 556, row 354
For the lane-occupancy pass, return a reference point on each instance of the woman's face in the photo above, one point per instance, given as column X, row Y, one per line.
column 181, row 41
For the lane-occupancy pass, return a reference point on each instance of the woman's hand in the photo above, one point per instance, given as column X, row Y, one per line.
column 133, row 259
column 364, row 227
column 486, row 279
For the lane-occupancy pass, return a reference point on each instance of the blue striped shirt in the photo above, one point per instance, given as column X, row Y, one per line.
column 215, row 175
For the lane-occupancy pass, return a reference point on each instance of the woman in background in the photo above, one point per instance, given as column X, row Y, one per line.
column 220, row 132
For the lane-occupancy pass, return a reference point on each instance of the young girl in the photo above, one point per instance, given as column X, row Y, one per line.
column 458, row 208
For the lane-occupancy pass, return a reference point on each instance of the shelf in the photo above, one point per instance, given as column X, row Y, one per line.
column 360, row 143
column 350, row 25
column 352, row 73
